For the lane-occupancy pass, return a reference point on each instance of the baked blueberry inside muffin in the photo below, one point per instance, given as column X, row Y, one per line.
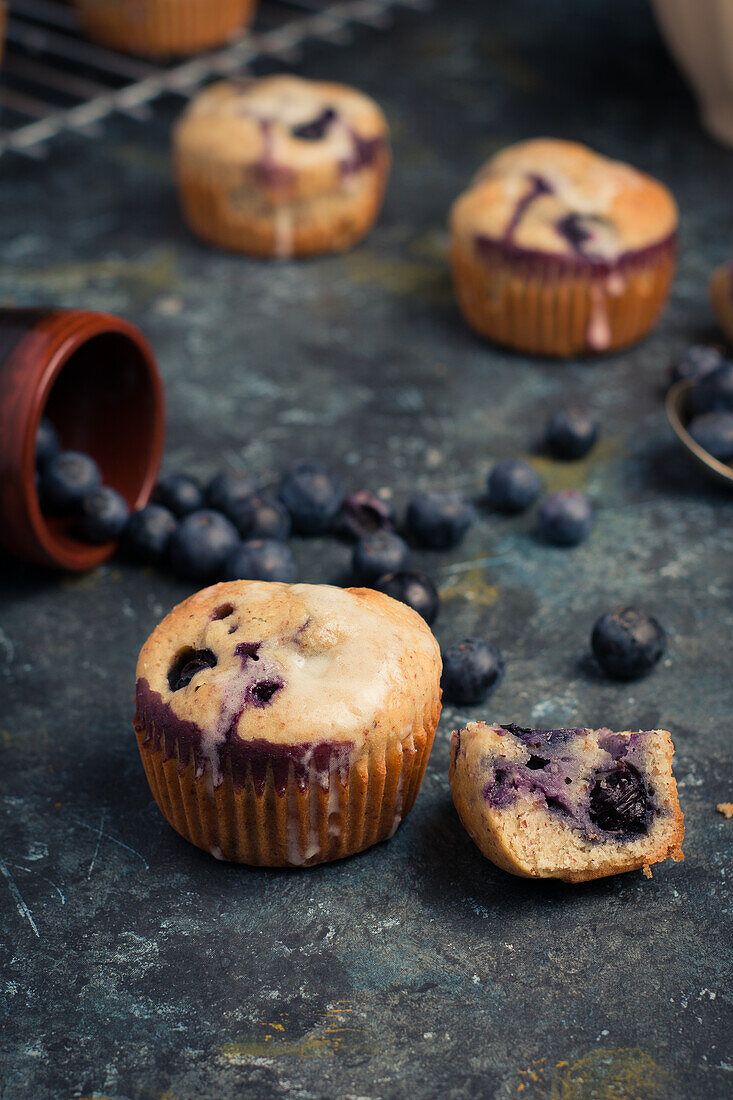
column 557, row 250
column 287, row 724
column 281, row 166
column 572, row 804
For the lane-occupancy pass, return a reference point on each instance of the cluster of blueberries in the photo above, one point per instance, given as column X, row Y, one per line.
column 229, row 530
column 711, row 398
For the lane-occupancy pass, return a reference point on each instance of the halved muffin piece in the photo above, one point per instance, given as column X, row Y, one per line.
column 572, row 804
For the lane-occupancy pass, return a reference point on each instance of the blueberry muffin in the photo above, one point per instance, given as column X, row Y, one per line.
column 281, row 166
column 572, row 804
column 721, row 296
column 557, row 250
column 286, row 725
column 163, row 27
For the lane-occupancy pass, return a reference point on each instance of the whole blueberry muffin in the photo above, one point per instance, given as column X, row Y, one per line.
column 281, row 166
column 721, row 296
column 572, row 804
column 557, row 250
column 286, row 725
column 163, row 27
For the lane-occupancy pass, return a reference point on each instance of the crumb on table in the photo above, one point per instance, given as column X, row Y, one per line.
column 725, row 808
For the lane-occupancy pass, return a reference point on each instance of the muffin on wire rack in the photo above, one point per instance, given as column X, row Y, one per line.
column 162, row 28
column 281, row 166
column 286, row 725
column 557, row 250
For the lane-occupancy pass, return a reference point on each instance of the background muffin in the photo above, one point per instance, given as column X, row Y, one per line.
column 281, row 166
column 721, row 296
column 557, row 250
column 161, row 27
column 287, row 725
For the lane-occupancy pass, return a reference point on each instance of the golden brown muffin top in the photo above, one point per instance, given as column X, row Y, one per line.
column 291, row 664
column 562, row 199
column 288, row 132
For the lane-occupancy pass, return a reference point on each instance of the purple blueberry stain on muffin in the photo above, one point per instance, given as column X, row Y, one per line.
column 187, row 664
column 615, row 802
column 538, row 186
column 248, row 651
column 317, row 128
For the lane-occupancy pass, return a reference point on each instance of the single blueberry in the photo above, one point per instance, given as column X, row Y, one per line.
column 262, row 692
column 439, row 520
column 261, row 560
column 103, row 514
column 229, row 490
column 471, row 670
column 361, row 513
column 379, row 553
column 513, row 485
column 200, row 545
column 714, row 433
column 570, row 433
column 695, row 362
column 619, row 802
column 312, row 495
column 47, row 442
column 565, row 518
column 316, row 129
column 148, row 532
column 262, row 518
column 627, row 642
column 414, row 589
column 714, row 391
column 66, row 479
column 180, row 494
column 187, row 663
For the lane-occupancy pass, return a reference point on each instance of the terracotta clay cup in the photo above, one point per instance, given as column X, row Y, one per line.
column 94, row 377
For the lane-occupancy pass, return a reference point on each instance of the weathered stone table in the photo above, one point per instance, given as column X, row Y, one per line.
column 135, row 966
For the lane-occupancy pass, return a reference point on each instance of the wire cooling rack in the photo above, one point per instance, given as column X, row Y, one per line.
column 54, row 81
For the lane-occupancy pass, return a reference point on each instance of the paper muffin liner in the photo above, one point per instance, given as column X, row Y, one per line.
column 161, row 27
column 327, row 222
column 271, row 818
column 551, row 305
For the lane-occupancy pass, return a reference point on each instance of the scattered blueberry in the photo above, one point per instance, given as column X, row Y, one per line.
column 570, row 433
column 228, row 490
column 180, row 494
column 262, row 518
column 66, row 479
column 47, row 442
column 316, row 129
column 379, row 553
column 103, row 514
column 261, row 560
column 188, row 662
column 627, row 643
column 414, row 589
column 148, row 533
column 513, row 485
column 471, row 670
column 695, row 362
column 565, row 518
column 439, row 520
column 714, row 392
column 361, row 513
column 713, row 432
column 312, row 495
column 619, row 802
column 200, row 545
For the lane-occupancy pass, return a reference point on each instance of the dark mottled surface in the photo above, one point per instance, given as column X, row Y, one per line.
column 137, row 968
